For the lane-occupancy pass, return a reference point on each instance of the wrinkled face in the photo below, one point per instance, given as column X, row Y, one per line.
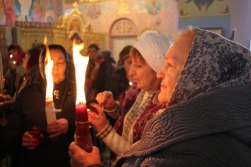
column 143, row 75
column 174, row 62
column 92, row 52
column 59, row 65
column 26, row 60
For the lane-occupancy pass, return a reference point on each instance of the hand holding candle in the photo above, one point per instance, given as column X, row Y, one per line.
column 36, row 134
column 31, row 138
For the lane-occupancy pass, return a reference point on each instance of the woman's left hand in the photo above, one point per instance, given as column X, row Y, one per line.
column 98, row 119
column 81, row 158
column 57, row 127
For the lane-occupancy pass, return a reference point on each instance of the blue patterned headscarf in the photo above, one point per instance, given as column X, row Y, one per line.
column 214, row 62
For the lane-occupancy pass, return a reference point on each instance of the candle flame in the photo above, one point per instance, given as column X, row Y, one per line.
column 80, row 63
column 48, row 71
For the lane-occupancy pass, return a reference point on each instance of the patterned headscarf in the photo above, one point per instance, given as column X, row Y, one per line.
column 214, row 62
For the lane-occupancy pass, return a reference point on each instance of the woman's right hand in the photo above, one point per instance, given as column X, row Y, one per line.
column 27, row 141
column 106, row 100
column 98, row 120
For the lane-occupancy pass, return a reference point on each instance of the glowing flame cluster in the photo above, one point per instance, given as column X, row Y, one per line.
column 80, row 63
column 48, row 71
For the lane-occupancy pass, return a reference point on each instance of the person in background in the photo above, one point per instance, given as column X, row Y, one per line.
column 29, row 111
column 96, row 72
column 120, row 80
column 32, row 75
column 206, row 85
column 110, row 62
column 16, row 70
column 71, row 71
column 139, row 102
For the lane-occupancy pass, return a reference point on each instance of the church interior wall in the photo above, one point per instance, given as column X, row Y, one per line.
column 163, row 16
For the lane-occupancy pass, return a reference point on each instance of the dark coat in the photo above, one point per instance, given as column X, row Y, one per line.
column 117, row 83
column 30, row 77
column 209, row 131
column 97, row 72
column 99, row 82
column 29, row 110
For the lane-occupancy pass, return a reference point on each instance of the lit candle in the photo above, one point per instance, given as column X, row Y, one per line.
column 49, row 108
column 83, row 138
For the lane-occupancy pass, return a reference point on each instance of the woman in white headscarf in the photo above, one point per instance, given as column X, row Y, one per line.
column 139, row 103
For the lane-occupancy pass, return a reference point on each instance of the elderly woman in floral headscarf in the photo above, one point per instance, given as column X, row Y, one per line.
column 205, row 83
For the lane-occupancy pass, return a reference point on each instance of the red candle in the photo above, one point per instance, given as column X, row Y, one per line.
column 82, row 128
column 35, row 132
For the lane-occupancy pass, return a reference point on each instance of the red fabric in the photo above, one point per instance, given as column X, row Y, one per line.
column 126, row 100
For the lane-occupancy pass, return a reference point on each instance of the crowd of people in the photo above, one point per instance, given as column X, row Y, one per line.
column 169, row 102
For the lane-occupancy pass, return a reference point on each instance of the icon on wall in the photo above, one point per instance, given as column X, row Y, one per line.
column 36, row 12
column 153, row 7
column 9, row 12
column 94, row 11
column 204, row 8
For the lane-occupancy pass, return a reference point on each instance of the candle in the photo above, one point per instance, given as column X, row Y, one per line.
column 49, row 107
column 82, row 128
column 50, row 111
column 81, row 113
column 35, row 132
column 83, row 136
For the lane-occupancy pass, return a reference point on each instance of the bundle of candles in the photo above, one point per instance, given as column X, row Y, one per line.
column 83, row 136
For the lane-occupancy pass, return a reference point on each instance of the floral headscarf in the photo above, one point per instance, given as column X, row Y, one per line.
column 213, row 62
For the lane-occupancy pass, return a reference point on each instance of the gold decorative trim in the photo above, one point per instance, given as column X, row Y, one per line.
column 147, row 29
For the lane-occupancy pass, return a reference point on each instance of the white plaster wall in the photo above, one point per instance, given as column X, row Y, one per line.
column 165, row 21
column 241, row 21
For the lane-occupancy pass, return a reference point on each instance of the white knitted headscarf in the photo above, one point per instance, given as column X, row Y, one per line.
column 153, row 47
